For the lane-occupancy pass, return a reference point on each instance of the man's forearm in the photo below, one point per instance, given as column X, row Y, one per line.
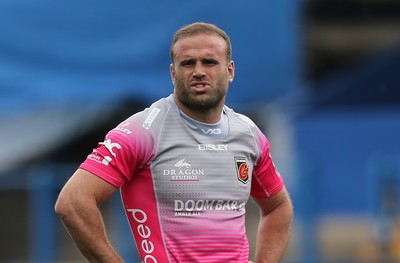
column 85, row 225
column 78, row 207
column 273, row 234
column 91, row 240
column 89, row 235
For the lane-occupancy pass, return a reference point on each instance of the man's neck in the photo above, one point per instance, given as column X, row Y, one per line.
column 210, row 116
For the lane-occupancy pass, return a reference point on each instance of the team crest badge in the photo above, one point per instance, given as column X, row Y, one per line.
column 242, row 169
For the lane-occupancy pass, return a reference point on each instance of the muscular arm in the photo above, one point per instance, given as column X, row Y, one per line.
column 77, row 206
column 276, row 214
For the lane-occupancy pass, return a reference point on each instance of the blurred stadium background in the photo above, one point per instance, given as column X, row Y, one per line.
column 320, row 77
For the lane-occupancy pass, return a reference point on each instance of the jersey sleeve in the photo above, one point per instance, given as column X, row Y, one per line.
column 124, row 150
column 266, row 179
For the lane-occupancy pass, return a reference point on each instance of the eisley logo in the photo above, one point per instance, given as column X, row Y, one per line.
column 184, row 172
column 242, row 169
column 212, row 147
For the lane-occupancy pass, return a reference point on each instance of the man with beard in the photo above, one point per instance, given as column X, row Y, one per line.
column 185, row 167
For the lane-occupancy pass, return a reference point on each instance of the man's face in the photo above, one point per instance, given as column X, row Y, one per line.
column 200, row 72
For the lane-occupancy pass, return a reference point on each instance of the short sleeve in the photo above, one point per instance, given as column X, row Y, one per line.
column 266, row 180
column 113, row 160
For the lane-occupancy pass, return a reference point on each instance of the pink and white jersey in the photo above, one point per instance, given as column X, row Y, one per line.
column 184, row 184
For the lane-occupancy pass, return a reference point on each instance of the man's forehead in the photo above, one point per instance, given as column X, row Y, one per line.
column 204, row 44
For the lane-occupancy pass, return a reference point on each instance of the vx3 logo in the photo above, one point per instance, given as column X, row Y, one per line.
column 211, row 131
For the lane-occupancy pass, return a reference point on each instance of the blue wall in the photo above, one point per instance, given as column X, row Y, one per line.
column 76, row 52
column 345, row 146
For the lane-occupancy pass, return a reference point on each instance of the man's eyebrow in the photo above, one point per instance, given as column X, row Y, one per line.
column 187, row 61
column 209, row 60
column 190, row 61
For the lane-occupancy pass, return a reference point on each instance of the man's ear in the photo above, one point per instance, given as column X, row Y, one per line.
column 231, row 71
column 172, row 72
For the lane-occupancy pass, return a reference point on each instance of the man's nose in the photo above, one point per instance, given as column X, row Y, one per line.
column 199, row 71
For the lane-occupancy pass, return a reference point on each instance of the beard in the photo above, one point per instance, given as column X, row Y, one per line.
column 211, row 99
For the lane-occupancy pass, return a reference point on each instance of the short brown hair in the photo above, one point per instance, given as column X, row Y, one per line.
column 201, row 28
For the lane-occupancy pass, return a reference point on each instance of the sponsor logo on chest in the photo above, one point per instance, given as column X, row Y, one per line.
column 242, row 169
column 212, row 147
column 196, row 207
column 184, row 172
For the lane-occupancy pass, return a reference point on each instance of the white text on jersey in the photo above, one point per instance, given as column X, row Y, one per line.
column 213, row 147
column 211, row 131
column 147, row 246
column 195, row 207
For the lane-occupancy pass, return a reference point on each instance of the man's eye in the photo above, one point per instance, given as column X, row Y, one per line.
column 210, row 62
column 187, row 63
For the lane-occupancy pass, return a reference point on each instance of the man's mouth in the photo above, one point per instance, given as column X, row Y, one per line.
column 200, row 86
